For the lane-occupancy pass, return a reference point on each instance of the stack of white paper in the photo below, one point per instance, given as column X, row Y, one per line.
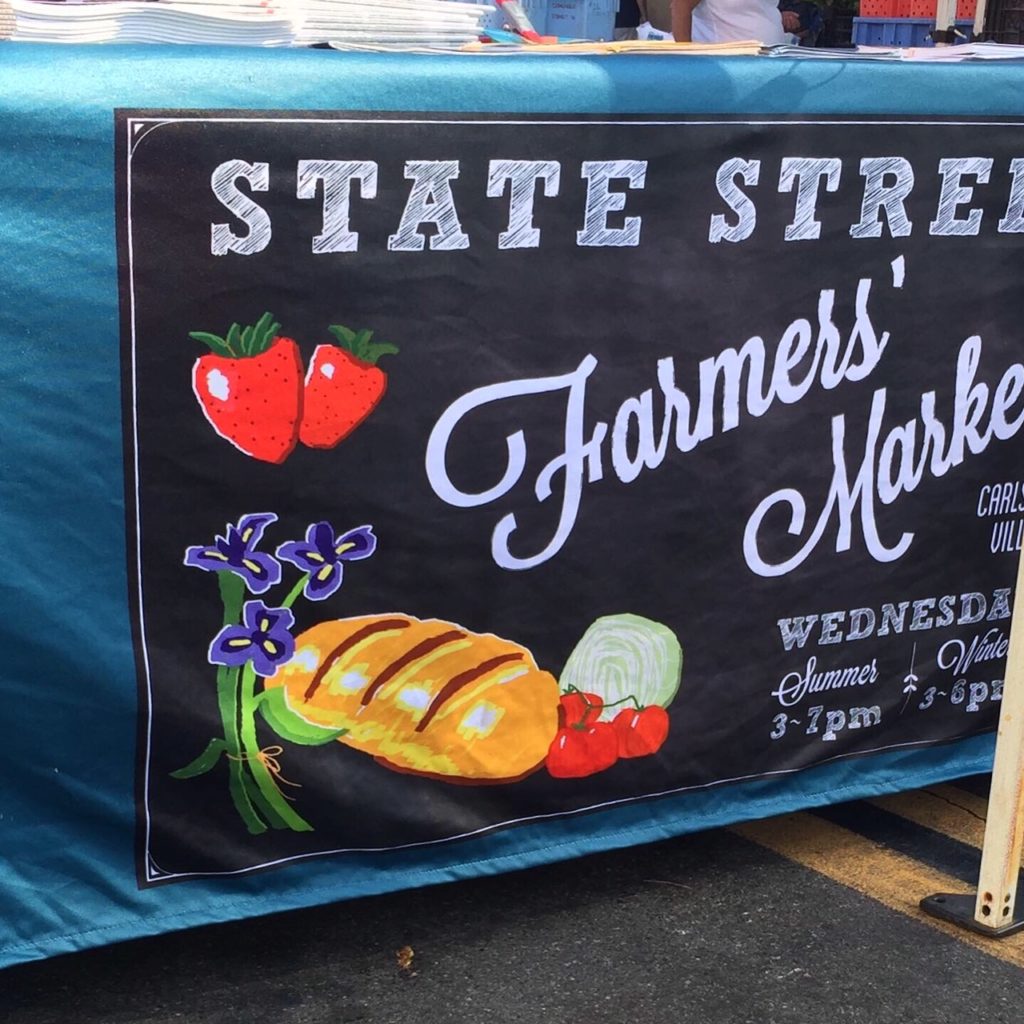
column 6, row 20
column 394, row 22
column 966, row 52
column 448, row 23
column 840, row 53
column 943, row 54
column 134, row 21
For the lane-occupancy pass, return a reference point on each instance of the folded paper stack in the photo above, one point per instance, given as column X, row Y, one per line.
column 244, row 22
column 395, row 23
column 961, row 52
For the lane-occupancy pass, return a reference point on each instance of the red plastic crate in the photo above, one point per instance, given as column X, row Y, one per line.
column 879, row 8
column 926, row 9
column 912, row 9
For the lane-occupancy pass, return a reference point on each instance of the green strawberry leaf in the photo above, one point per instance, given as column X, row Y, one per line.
column 263, row 334
column 360, row 345
column 203, row 763
column 265, row 325
column 377, row 349
column 344, row 335
column 218, row 345
column 240, row 342
column 291, row 726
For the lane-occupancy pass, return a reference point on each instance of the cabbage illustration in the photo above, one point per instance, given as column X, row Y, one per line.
column 625, row 656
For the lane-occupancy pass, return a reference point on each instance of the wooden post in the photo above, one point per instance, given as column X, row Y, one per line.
column 991, row 911
column 1004, row 826
column 979, row 19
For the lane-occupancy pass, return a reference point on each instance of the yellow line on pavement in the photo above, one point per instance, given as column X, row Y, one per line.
column 941, row 809
column 892, row 879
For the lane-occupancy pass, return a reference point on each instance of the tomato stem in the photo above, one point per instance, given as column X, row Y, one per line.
column 589, row 704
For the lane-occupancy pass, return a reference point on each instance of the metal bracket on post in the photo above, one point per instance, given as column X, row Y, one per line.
column 991, row 910
column 947, row 37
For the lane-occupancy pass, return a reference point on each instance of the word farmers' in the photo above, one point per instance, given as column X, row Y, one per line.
column 429, row 204
column 750, row 380
column 924, row 613
column 885, row 184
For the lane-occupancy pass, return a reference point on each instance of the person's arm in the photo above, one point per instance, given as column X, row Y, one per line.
column 682, row 20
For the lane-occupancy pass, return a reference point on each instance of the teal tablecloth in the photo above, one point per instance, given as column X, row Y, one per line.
column 67, row 682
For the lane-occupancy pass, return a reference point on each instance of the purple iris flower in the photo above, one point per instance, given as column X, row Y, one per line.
column 323, row 554
column 235, row 552
column 263, row 637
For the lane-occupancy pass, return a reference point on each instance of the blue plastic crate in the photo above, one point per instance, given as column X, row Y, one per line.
column 902, row 32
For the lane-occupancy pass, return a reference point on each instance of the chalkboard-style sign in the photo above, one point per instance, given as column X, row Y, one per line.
column 482, row 471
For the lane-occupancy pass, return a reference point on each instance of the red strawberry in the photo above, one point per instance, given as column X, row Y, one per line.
column 343, row 386
column 250, row 388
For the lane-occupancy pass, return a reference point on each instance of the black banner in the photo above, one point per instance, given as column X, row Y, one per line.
column 481, row 469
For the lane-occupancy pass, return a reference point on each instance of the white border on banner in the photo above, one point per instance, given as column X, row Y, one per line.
column 152, row 870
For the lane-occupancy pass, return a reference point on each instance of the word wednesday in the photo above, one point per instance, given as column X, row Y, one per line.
column 885, row 185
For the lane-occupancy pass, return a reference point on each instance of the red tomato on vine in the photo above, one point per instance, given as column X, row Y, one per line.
column 578, row 751
column 640, row 731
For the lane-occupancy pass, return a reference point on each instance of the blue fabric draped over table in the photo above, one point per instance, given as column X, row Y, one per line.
column 68, row 677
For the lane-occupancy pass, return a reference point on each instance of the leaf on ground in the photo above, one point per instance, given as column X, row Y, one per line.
column 404, row 958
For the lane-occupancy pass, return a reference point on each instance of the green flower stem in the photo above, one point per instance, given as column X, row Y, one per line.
column 254, row 760
column 293, row 594
column 232, row 594
column 251, row 782
column 204, row 763
column 258, row 801
column 228, row 702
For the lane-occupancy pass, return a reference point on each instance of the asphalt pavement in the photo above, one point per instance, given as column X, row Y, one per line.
column 744, row 926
